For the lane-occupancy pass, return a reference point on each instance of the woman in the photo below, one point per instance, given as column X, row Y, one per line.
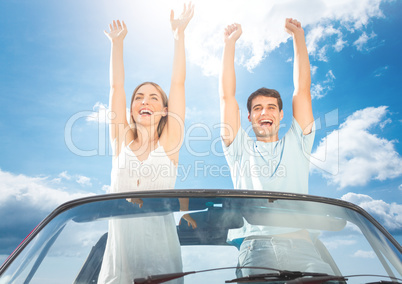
column 146, row 154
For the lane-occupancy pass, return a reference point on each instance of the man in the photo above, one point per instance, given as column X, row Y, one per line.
column 269, row 163
column 278, row 165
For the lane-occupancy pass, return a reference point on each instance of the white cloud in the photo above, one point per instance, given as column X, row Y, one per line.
column 83, row 180
column 34, row 191
column 330, row 77
column 388, row 215
column 339, row 45
column 56, row 180
column 205, row 41
column 355, row 14
column 385, row 122
column 380, row 71
column 352, row 156
column 65, row 175
column 364, row 254
column 313, row 69
column 26, row 201
column 332, row 245
column 322, row 53
column 100, row 114
column 262, row 23
column 320, row 90
column 194, row 113
column 361, row 42
column 320, row 34
column 80, row 179
column 317, row 91
column 106, row 188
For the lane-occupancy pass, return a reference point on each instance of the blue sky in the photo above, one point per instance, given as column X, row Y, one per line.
column 54, row 83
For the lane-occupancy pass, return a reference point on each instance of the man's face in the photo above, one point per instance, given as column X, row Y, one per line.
column 265, row 117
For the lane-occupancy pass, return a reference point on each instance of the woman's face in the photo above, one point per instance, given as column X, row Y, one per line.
column 147, row 107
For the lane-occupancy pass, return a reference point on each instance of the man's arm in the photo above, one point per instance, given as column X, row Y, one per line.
column 302, row 109
column 230, row 117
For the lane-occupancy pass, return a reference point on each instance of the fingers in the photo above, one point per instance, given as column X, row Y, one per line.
column 293, row 22
column 139, row 202
column 187, row 13
column 117, row 25
column 184, row 9
column 180, row 23
column 190, row 221
column 232, row 28
column 136, row 201
column 171, row 15
column 296, row 23
column 190, row 11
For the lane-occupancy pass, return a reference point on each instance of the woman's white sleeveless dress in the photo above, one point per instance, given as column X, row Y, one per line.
column 139, row 247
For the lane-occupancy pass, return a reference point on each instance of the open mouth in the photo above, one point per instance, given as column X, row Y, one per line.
column 145, row 112
column 266, row 122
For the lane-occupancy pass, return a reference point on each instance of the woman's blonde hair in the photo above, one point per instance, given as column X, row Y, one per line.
column 163, row 120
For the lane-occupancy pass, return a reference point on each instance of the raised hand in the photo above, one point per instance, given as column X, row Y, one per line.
column 302, row 108
column 232, row 33
column 293, row 26
column 179, row 25
column 117, row 31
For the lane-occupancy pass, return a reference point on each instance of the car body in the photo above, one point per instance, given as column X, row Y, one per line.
column 68, row 245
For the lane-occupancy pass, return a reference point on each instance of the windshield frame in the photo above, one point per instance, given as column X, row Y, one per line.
column 208, row 193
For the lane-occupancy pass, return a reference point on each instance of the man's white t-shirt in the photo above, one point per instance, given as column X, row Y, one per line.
column 274, row 166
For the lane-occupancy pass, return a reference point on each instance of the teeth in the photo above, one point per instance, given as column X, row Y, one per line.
column 145, row 111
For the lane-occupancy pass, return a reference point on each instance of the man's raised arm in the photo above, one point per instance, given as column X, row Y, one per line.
column 230, row 117
column 302, row 109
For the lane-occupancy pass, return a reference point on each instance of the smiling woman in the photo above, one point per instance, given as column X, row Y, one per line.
column 148, row 100
column 136, row 248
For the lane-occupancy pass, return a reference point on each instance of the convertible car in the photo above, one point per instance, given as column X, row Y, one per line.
column 69, row 245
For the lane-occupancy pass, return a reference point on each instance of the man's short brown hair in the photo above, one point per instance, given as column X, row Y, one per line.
column 266, row 93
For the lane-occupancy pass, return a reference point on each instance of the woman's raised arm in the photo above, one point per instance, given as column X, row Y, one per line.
column 117, row 99
column 177, row 103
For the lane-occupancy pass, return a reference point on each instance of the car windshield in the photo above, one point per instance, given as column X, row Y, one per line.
column 69, row 246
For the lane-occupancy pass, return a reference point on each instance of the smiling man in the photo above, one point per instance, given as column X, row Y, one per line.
column 269, row 163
